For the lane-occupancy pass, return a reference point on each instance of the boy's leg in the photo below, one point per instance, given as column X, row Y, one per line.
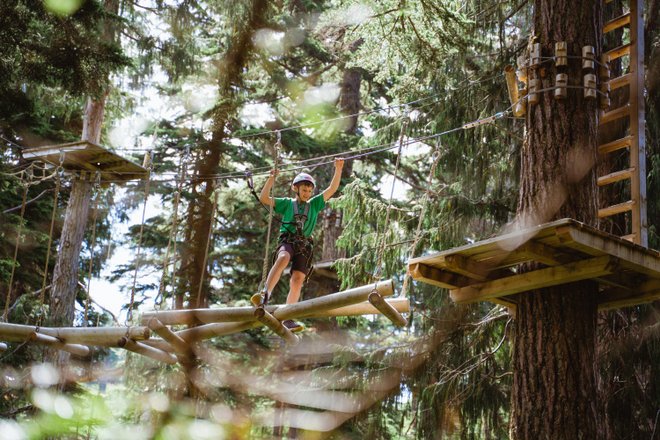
column 295, row 286
column 283, row 258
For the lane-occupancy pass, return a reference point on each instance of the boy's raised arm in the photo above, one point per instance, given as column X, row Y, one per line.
column 336, row 178
column 265, row 197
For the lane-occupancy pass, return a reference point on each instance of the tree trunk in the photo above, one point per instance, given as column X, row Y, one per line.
column 194, row 275
column 554, row 388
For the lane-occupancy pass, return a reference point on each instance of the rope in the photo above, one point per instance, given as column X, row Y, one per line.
column 147, row 159
column 208, row 244
column 19, row 231
column 377, row 271
column 171, row 243
column 92, row 244
column 425, row 203
column 56, row 195
column 264, row 270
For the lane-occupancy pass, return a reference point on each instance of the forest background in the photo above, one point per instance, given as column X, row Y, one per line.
column 205, row 86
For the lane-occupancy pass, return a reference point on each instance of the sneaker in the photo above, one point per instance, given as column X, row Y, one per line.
column 259, row 299
column 293, row 326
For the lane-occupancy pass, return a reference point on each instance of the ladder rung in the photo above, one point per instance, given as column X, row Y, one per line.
column 615, row 176
column 629, row 237
column 616, row 23
column 617, row 113
column 615, row 145
column 616, row 209
column 618, row 52
column 620, row 81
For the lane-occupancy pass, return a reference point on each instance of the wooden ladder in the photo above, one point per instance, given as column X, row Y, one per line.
column 634, row 140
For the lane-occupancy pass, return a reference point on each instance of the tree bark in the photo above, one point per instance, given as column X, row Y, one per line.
column 554, row 388
column 200, row 214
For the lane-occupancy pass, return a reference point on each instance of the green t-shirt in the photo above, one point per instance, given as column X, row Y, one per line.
column 284, row 206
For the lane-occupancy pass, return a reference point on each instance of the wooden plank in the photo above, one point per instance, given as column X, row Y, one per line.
column 616, row 176
column 630, row 255
column 620, row 81
column 613, row 115
column 551, row 276
column 616, row 209
column 495, row 246
column 618, row 52
column 616, row 23
column 437, row 277
column 615, row 145
column 87, row 156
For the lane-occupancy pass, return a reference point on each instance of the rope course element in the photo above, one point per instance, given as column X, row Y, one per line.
column 171, row 242
column 264, row 270
column 202, row 273
column 148, row 165
column 19, row 231
column 95, row 213
column 56, row 196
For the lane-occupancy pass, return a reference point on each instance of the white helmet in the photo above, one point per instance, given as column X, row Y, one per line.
column 304, row 177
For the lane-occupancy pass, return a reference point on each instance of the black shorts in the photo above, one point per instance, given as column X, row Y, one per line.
column 299, row 261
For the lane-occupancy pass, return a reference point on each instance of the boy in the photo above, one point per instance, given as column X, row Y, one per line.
column 295, row 244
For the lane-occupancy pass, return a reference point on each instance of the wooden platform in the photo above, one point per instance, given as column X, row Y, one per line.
column 567, row 250
column 87, row 159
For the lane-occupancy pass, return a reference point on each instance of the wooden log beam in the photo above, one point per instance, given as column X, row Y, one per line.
column 276, row 326
column 551, row 276
column 310, row 307
column 386, row 309
column 207, row 331
column 618, row 298
column 467, row 267
column 77, row 349
column 100, row 336
column 401, row 305
column 147, row 351
column 206, row 316
column 164, row 332
column 243, row 314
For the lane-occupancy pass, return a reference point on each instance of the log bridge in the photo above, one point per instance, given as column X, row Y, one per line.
column 176, row 346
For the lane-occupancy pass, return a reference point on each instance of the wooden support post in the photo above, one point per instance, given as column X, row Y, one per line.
column 276, row 326
column 164, row 332
column 99, row 336
column 386, row 309
column 145, row 350
column 77, row 349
